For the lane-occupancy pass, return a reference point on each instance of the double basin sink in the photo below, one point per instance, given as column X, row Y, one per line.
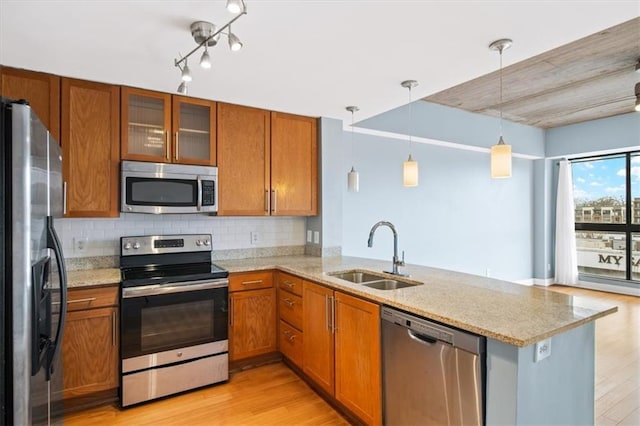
column 371, row 280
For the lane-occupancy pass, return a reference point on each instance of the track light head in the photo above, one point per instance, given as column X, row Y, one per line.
column 182, row 89
column 234, row 42
column 186, row 72
column 235, row 6
column 205, row 60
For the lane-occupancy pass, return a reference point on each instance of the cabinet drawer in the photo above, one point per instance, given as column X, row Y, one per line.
column 290, row 343
column 250, row 281
column 289, row 283
column 290, row 308
column 92, row 297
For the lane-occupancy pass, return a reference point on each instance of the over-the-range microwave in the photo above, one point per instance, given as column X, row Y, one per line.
column 168, row 188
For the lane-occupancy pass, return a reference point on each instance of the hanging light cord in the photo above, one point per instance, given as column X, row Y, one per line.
column 501, row 49
column 352, row 159
column 410, row 119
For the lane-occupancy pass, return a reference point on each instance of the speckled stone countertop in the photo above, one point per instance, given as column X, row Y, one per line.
column 511, row 313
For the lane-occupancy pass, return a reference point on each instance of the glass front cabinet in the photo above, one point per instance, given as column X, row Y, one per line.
column 164, row 128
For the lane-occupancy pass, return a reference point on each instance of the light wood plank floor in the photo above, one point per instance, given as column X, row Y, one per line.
column 617, row 359
column 274, row 395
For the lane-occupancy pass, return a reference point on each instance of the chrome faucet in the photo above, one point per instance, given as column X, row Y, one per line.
column 396, row 262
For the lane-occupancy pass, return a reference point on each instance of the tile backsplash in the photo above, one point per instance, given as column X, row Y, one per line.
column 101, row 237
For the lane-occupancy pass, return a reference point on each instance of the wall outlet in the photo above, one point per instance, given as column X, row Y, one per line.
column 316, row 237
column 488, row 272
column 309, row 237
column 542, row 350
column 80, row 244
column 255, row 237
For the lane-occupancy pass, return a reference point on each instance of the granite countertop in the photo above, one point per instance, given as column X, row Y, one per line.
column 511, row 313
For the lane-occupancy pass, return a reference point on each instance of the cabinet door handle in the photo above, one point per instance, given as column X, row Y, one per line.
column 177, row 146
column 251, row 282
column 267, row 201
column 289, row 302
column 64, row 197
column 274, row 202
column 231, row 312
column 166, row 144
column 333, row 315
column 113, row 328
column 326, row 312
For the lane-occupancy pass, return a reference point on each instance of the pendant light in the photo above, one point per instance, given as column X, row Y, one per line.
column 353, row 179
column 501, row 152
column 410, row 167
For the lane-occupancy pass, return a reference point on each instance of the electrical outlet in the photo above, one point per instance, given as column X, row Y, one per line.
column 488, row 272
column 316, row 237
column 255, row 237
column 309, row 237
column 80, row 244
column 542, row 350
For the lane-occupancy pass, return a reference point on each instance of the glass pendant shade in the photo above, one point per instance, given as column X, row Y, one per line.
column 410, row 172
column 353, row 180
column 501, row 160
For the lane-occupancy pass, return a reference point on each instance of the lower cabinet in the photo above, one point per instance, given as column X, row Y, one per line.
column 252, row 316
column 90, row 342
column 341, row 350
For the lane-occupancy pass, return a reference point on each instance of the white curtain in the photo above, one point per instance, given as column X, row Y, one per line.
column 566, row 253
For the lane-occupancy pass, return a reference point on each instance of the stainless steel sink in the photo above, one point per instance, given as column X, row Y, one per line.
column 356, row 277
column 389, row 284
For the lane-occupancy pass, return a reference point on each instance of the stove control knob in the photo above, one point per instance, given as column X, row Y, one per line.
column 198, row 243
column 207, row 242
column 127, row 246
column 136, row 245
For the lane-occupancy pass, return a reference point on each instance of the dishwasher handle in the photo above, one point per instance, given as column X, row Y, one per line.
column 421, row 338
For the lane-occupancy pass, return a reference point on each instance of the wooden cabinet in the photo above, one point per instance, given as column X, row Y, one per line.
column 290, row 313
column 342, row 349
column 90, row 148
column 41, row 90
column 252, row 316
column 90, row 342
column 294, row 165
column 267, row 162
column 164, row 128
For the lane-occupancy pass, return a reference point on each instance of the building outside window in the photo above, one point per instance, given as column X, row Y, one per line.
column 607, row 202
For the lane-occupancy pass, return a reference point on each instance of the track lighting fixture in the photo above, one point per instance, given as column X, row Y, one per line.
column 501, row 152
column 182, row 89
column 206, row 35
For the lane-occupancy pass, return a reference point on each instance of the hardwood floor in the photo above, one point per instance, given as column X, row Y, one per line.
column 274, row 395
column 617, row 359
column 266, row 395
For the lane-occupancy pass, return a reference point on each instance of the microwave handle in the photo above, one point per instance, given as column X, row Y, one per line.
column 199, row 203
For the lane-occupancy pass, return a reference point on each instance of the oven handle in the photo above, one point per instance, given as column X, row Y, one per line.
column 157, row 289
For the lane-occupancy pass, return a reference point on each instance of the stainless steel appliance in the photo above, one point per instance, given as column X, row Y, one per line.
column 31, row 323
column 173, row 316
column 168, row 188
column 432, row 374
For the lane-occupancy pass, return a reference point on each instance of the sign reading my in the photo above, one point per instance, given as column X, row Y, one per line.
column 610, row 258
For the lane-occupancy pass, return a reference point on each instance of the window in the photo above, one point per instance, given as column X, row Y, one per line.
column 606, row 193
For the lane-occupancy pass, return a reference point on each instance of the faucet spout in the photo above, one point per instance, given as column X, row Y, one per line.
column 396, row 261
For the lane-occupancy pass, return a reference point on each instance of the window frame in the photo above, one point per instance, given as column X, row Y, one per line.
column 628, row 228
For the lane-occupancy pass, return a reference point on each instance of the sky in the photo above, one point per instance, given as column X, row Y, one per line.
column 604, row 178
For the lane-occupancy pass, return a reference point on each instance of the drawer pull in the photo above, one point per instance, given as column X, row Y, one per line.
column 289, row 302
column 290, row 337
column 87, row 300
column 251, row 282
column 289, row 284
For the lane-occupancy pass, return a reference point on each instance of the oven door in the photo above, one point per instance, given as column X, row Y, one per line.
column 158, row 318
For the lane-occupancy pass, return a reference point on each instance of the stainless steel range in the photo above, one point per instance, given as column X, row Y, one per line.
column 173, row 316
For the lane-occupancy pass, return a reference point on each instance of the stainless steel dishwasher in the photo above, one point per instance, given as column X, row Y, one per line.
column 432, row 374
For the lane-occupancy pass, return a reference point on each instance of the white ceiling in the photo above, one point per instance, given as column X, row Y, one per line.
column 310, row 57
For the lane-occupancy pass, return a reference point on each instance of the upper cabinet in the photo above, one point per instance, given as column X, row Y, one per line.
column 272, row 157
column 294, row 165
column 164, row 128
column 41, row 90
column 90, row 148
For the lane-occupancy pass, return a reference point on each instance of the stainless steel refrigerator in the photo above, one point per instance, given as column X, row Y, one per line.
column 33, row 287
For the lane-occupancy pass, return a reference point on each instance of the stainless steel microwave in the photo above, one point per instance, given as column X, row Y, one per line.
column 168, row 188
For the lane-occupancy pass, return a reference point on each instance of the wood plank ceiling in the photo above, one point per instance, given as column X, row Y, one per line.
column 584, row 80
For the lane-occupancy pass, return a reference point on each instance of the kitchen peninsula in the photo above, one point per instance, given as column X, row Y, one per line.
column 555, row 390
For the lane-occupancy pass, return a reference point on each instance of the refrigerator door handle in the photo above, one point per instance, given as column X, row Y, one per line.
column 53, row 242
